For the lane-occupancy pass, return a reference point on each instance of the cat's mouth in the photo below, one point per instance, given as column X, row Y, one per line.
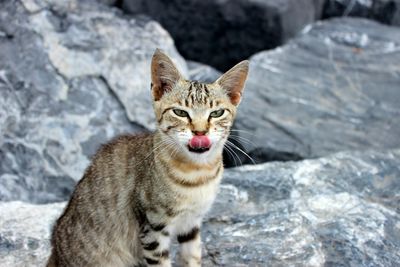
column 199, row 144
column 198, row 149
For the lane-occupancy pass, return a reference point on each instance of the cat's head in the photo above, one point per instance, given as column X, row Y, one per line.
column 195, row 118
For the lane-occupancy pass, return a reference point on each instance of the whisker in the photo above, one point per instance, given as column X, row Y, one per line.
column 232, row 144
column 242, row 139
column 230, row 153
column 235, row 154
column 158, row 145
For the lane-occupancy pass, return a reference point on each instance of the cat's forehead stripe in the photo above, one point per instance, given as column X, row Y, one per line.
column 198, row 93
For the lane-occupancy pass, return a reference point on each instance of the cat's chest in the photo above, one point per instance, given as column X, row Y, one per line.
column 193, row 209
column 199, row 199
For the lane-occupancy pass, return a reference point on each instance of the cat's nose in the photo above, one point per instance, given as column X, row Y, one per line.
column 199, row 132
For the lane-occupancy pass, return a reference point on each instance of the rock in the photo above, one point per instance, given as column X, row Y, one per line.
column 222, row 33
column 340, row 210
column 24, row 232
column 201, row 72
column 336, row 211
column 262, row 154
column 385, row 11
column 357, row 8
column 334, row 88
column 85, row 39
column 68, row 71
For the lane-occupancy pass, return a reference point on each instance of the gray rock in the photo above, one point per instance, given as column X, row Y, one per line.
column 334, row 88
column 87, row 39
column 222, row 33
column 201, row 72
column 385, row 11
column 358, row 8
column 68, row 72
column 341, row 210
column 24, row 232
column 337, row 211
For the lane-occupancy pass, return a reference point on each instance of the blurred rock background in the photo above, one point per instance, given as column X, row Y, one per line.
column 322, row 100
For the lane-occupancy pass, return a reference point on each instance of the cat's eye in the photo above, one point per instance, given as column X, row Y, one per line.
column 180, row 112
column 217, row 113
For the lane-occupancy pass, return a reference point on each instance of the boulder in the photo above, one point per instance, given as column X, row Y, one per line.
column 73, row 74
column 385, row 11
column 222, row 33
column 340, row 210
column 202, row 72
column 334, row 88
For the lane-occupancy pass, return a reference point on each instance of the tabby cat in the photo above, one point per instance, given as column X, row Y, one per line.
column 140, row 191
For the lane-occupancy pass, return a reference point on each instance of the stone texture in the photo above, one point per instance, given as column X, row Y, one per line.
column 341, row 210
column 87, row 39
column 72, row 75
column 24, row 233
column 222, row 33
column 201, row 72
column 337, row 211
column 334, row 88
column 385, row 11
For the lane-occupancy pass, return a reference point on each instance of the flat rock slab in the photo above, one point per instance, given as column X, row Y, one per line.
column 341, row 210
column 336, row 87
column 73, row 74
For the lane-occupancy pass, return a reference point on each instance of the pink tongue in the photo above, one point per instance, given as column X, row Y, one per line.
column 200, row 141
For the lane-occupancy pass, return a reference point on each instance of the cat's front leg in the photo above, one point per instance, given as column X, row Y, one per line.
column 155, row 241
column 190, row 248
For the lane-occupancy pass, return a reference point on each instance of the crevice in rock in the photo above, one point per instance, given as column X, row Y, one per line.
column 264, row 154
column 59, row 20
column 118, row 4
column 6, row 35
column 223, row 33
column 284, row 130
column 140, row 127
column 234, row 157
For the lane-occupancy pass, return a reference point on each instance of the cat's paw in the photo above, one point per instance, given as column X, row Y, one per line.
column 188, row 261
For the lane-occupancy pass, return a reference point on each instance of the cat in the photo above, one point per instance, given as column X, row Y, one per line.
column 141, row 191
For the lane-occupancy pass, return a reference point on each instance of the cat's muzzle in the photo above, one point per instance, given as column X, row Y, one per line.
column 199, row 144
column 198, row 149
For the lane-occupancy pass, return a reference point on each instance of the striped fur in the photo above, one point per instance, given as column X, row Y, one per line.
column 142, row 191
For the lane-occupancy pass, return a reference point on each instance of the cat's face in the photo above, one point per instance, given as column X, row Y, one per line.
column 194, row 110
column 195, row 118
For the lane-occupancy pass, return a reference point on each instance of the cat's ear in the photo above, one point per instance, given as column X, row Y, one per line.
column 164, row 74
column 233, row 81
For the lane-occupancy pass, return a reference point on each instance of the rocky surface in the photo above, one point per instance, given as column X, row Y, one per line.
column 334, row 88
column 341, row 210
column 75, row 73
column 221, row 33
column 202, row 72
column 72, row 75
column 24, row 232
column 385, row 11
